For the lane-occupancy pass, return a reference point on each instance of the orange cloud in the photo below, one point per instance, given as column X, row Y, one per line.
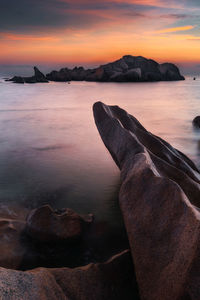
column 31, row 38
column 159, row 3
column 175, row 29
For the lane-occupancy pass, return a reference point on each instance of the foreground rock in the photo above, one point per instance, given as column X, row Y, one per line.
column 25, row 236
column 160, row 200
column 46, row 225
column 113, row 280
column 126, row 69
column 37, row 77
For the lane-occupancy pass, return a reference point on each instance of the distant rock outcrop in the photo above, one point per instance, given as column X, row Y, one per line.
column 160, row 203
column 37, row 77
column 127, row 69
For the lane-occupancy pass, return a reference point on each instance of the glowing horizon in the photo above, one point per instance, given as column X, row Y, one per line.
column 84, row 32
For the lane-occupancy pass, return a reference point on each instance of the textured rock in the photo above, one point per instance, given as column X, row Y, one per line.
column 113, row 280
column 46, row 225
column 196, row 121
column 127, row 69
column 160, row 200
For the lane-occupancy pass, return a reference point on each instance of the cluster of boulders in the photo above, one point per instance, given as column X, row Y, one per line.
column 42, row 226
column 160, row 202
column 127, row 69
column 20, row 236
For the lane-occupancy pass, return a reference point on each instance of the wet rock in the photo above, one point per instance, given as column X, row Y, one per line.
column 45, row 225
column 196, row 121
column 113, row 279
column 160, row 200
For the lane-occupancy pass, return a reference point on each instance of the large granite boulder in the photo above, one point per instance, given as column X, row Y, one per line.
column 160, row 200
column 46, row 225
column 37, row 77
column 113, row 280
column 127, row 69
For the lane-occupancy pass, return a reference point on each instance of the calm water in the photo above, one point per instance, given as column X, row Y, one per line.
column 51, row 152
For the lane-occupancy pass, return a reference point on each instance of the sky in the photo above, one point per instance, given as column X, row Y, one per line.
column 55, row 33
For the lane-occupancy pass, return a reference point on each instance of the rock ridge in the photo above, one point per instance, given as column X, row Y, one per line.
column 159, row 199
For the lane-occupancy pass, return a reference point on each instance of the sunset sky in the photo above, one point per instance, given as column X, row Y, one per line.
column 70, row 32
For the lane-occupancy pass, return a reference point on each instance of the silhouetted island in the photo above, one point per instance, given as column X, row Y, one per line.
column 127, row 69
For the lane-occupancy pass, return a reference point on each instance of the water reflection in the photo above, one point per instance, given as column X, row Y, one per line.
column 51, row 151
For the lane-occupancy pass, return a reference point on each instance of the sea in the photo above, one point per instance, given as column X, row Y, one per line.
column 51, row 151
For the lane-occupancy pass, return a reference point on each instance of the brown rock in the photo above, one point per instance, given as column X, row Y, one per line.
column 46, row 225
column 113, row 280
column 160, row 200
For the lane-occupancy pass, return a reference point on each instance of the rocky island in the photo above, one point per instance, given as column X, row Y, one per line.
column 127, row 69
column 160, row 202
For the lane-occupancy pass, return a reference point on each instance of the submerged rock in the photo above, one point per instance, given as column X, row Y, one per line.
column 160, row 201
column 37, row 77
column 127, row 69
column 45, row 225
column 113, row 280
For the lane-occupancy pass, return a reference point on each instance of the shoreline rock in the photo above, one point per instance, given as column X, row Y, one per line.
column 160, row 202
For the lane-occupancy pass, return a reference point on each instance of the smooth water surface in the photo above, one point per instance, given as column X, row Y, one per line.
column 51, row 152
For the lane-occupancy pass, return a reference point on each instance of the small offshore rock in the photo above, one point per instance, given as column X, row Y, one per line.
column 37, row 77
